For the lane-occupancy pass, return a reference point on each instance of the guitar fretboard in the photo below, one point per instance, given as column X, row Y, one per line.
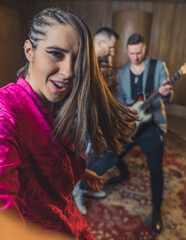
column 155, row 94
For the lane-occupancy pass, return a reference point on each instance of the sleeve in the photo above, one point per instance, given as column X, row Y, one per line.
column 164, row 75
column 9, row 163
column 121, row 94
column 86, row 233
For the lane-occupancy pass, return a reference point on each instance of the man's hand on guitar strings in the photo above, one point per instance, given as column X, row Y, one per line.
column 165, row 89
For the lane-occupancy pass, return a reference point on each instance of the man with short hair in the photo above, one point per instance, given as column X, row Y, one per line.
column 104, row 41
column 141, row 74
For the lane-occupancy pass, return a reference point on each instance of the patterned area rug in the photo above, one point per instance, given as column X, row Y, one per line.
column 126, row 212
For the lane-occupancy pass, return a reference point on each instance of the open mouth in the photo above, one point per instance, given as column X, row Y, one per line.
column 59, row 85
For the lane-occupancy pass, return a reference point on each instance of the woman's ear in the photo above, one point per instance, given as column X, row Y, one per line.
column 28, row 50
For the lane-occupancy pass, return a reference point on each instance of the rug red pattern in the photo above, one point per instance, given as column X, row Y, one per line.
column 126, row 212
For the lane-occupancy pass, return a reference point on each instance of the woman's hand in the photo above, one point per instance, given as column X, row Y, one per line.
column 94, row 181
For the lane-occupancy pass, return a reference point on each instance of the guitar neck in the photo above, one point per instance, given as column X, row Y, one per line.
column 149, row 100
column 155, row 94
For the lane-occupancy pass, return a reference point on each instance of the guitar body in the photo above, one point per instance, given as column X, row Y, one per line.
column 143, row 116
column 141, row 106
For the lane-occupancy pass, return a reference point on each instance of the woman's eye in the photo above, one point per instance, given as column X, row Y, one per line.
column 56, row 54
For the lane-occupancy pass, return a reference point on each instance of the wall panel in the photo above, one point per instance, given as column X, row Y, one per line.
column 168, row 35
column 177, row 50
column 10, row 44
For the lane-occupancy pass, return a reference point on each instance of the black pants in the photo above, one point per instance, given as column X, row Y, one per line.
column 150, row 139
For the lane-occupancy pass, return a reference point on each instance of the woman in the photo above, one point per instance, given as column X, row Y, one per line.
column 59, row 97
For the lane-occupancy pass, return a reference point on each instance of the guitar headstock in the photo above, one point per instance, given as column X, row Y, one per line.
column 183, row 69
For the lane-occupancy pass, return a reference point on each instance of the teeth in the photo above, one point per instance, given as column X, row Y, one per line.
column 61, row 85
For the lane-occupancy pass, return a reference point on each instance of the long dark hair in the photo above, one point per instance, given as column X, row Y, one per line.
column 90, row 108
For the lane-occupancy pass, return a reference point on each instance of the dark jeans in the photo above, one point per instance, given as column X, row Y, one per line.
column 150, row 139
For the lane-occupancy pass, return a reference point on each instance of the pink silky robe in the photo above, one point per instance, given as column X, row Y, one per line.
column 37, row 173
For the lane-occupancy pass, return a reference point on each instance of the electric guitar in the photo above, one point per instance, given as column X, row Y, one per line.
column 141, row 106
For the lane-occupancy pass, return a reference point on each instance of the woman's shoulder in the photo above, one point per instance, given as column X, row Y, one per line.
column 10, row 95
column 8, row 91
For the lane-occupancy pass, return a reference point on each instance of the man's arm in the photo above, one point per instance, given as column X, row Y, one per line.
column 165, row 89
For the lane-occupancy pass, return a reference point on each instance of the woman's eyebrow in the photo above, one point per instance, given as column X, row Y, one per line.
column 57, row 48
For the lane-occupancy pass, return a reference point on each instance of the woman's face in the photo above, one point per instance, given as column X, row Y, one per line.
column 51, row 64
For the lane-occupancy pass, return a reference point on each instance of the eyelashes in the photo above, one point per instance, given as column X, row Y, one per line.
column 56, row 54
column 59, row 55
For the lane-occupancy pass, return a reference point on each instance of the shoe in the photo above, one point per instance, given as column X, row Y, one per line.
column 119, row 179
column 99, row 195
column 121, row 164
column 124, row 173
column 79, row 199
column 157, row 224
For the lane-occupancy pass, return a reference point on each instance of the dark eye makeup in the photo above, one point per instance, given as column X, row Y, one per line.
column 56, row 54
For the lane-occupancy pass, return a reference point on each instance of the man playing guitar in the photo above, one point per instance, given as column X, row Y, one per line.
column 143, row 75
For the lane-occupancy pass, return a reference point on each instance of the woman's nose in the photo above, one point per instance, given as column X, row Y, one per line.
column 66, row 68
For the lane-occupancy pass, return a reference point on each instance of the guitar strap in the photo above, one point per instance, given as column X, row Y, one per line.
column 150, row 77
